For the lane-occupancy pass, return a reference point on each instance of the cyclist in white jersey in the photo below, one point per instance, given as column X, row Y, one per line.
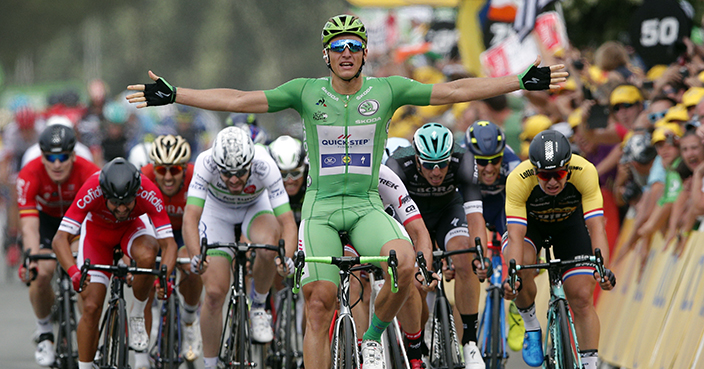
column 235, row 182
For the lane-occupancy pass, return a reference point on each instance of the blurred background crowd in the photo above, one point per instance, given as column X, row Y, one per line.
column 633, row 104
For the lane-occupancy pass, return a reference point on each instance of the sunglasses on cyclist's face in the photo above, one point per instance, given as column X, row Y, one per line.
column 618, row 107
column 62, row 157
column 430, row 165
column 117, row 202
column 291, row 174
column 173, row 169
column 237, row 173
column 339, row 46
column 557, row 174
column 483, row 161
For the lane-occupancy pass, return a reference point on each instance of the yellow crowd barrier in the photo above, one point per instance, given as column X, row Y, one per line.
column 654, row 318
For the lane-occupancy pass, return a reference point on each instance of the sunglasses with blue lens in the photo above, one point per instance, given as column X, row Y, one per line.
column 339, row 46
column 60, row 157
column 430, row 165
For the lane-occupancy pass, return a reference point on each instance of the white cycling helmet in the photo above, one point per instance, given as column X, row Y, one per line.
column 170, row 150
column 233, row 149
column 139, row 154
column 393, row 144
column 287, row 152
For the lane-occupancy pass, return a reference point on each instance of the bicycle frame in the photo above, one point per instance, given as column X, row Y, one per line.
column 494, row 337
column 392, row 338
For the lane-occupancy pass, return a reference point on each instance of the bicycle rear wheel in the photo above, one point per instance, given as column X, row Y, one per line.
column 114, row 348
column 567, row 354
column 398, row 358
column 495, row 354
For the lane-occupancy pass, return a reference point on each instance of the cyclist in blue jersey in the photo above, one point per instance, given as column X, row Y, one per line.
column 346, row 117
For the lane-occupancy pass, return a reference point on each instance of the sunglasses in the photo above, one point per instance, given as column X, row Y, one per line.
column 486, row 160
column 291, row 174
column 173, row 169
column 618, row 107
column 54, row 157
column 118, row 202
column 430, row 165
column 238, row 173
column 654, row 117
column 558, row 175
column 339, row 46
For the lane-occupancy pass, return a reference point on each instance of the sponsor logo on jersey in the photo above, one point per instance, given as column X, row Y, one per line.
column 321, row 102
column 319, row 115
column 249, row 189
column 388, row 183
column 173, row 210
column 403, row 199
column 367, row 121
column 368, row 107
column 364, row 93
column 527, row 173
column 260, row 168
column 91, row 194
column 343, row 140
column 436, row 189
column 330, row 94
column 22, row 191
column 152, row 198
column 410, row 209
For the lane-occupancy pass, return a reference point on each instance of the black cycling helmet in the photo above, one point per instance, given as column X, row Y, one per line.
column 549, row 149
column 57, row 138
column 484, row 138
column 120, row 180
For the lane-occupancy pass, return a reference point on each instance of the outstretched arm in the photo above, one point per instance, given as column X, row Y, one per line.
column 468, row 89
column 219, row 99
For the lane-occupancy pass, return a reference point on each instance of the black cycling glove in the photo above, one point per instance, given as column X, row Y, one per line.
column 535, row 78
column 159, row 93
column 489, row 270
column 608, row 274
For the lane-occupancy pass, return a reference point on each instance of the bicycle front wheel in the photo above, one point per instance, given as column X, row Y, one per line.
column 243, row 356
column 495, row 354
column 114, row 348
column 169, row 348
column 348, row 357
column 66, row 343
column 568, row 358
column 442, row 346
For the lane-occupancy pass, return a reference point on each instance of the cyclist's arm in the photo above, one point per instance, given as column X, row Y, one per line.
column 421, row 238
column 191, row 237
column 472, row 196
column 29, row 226
column 514, row 248
column 597, row 232
column 169, row 250
column 224, row 99
column 62, row 248
column 289, row 231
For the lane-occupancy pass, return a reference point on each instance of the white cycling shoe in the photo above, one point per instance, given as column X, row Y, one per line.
column 192, row 346
column 472, row 356
column 261, row 325
column 372, row 355
column 44, row 355
column 139, row 339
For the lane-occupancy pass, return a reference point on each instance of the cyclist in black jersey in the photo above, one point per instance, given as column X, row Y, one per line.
column 441, row 178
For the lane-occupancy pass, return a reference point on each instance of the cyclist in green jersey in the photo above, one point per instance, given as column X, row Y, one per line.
column 346, row 117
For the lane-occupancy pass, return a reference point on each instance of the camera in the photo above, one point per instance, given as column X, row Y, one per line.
column 684, row 72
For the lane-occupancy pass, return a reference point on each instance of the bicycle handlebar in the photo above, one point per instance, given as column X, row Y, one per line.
column 121, row 271
column 479, row 254
column 239, row 247
column 423, row 268
column 597, row 259
column 345, row 263
column 31, row 274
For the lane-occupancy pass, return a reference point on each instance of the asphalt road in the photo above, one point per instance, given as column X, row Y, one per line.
column 17, row 325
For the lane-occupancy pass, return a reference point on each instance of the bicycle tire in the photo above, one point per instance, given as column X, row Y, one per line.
column 69, row 358
column 227, row 339
column 441, row 330
column 495, row 349
column 242, row 342
column 567, row 352
column 114, row 349
column 397, row 359
column 288, row 330
column 168, row 350
column 350, row 358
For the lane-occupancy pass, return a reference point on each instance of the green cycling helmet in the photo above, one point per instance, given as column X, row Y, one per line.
column 433, row 142
column 341, row 24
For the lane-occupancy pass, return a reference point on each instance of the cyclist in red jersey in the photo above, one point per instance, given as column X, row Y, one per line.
column 110, row 210
column 46, row 186
column 171, row 171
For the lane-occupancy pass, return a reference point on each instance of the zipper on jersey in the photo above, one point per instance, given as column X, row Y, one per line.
column 61, row 200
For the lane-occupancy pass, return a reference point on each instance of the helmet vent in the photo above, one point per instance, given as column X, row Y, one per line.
column 549, row 150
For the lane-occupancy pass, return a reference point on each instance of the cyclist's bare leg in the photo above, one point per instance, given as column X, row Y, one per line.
column 321, row 301
column 216, row 281
column 526, row 297
column 264, row 229
column 387, row 303
column 579, row 290
column 87, row 330
column 467, row 283
column 41, row 294
column 410, row 315
column 143, row 252
column 190, row 284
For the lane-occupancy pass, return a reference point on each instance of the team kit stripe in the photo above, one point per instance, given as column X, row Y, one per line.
column 417, row 216
column 70, row 222
column 517, row 220
column 583, row 270
column 594, row 213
